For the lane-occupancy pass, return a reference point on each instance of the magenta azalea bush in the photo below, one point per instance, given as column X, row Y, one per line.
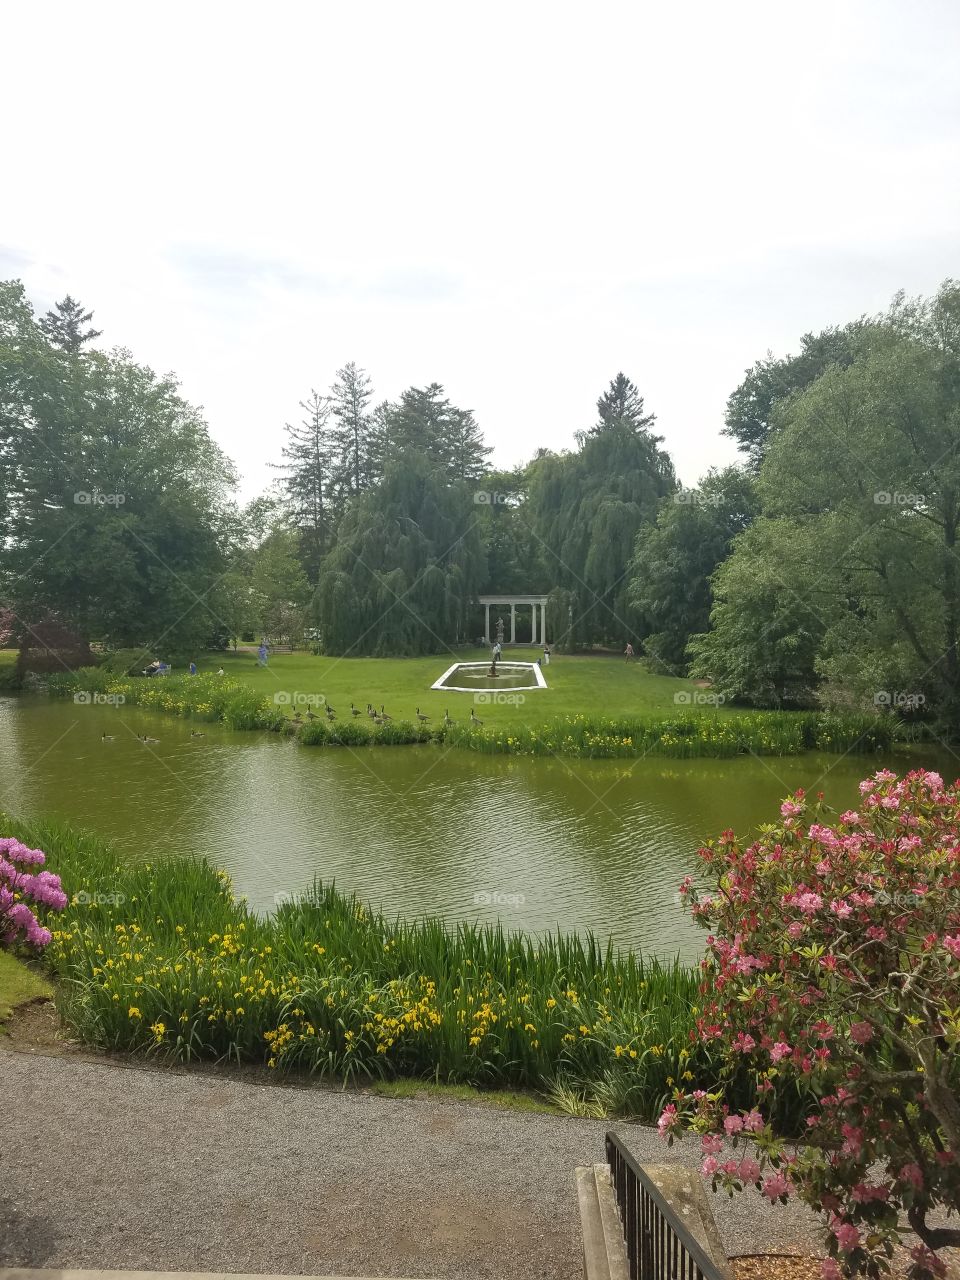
column 833, row 966
column 21, row 891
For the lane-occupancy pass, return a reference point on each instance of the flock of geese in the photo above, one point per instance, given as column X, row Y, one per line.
column 142, row 737
column 378, row 717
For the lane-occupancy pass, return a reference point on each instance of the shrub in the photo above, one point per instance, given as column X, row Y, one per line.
column 22, row 892
column 834, row 964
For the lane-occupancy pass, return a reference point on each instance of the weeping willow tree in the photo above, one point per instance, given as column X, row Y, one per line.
column 587, row 507
column 407, row 563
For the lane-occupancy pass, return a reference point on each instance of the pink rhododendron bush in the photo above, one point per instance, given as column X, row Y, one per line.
column 23, row 889
column 833, row 967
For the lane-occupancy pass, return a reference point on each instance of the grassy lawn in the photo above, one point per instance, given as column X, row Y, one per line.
column 589, row 685
column 18, row 985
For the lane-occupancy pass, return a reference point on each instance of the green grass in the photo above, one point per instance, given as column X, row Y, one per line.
column 600, row 686
column 649, row 725
column 19, row 985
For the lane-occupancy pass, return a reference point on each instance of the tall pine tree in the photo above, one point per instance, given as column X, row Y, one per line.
column 64, row 326
column 353, row 460
column 306, row 480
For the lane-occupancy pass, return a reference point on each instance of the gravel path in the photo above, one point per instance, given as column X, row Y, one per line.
column 113, row 1166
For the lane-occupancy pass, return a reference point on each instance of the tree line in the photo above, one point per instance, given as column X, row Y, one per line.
column 823, row 568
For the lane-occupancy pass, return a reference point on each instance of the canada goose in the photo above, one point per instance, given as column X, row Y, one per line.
column 106, row 737
column 354, row 711
column 421, row 717
column 474, row 718
column 196, row 733
column 446, row 718
column 311, row 715
column 297, row 719
column 371, row 711
column 331, row 714
column 383, row 714
column 146, row 739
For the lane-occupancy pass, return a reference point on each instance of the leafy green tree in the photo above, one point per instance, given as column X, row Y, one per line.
column 514, row 560
column 279, row 590
column 586, row 508
column 751, row 408
column 406, row 565
column 767, row 621
column 867, row 461
column 425, row 421
column 116, row 496
column 675, row 558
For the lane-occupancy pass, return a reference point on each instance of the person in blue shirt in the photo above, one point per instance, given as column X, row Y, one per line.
column 193, row 668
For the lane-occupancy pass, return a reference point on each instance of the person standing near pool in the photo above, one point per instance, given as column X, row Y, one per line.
column 546, row 655
column 628, row 652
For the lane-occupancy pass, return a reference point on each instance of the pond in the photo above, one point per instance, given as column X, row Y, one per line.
column 538, row 843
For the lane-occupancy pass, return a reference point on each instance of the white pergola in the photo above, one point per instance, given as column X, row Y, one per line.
column 533, row 603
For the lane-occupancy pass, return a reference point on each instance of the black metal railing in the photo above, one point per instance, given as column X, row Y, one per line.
column 659, row 1246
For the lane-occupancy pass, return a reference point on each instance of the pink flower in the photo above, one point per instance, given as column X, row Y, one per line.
column 749, row 1170
column 925, row 1257
column 753, row 1122
column 710, row 1166
column 809, row 903
column 795, row 929
column 775, row 1187
column 849, row 817
column 861, row 1032
column 780, row 1051
column 711, row 1144
column 790, row 810
column 913, row 1174
column 841, row 908
column 829, row 1269
column 733, row 1124
column 848, row 1237
column 952, row 944
column 669, row 1119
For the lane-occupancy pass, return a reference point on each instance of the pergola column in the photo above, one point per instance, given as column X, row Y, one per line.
column 486, row 623
column 533, row 624
column 513, row 623
column 543, row 623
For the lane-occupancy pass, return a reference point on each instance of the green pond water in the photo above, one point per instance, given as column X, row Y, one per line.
column 540, row 844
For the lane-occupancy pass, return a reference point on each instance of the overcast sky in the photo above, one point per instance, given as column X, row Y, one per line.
column 514, row 199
